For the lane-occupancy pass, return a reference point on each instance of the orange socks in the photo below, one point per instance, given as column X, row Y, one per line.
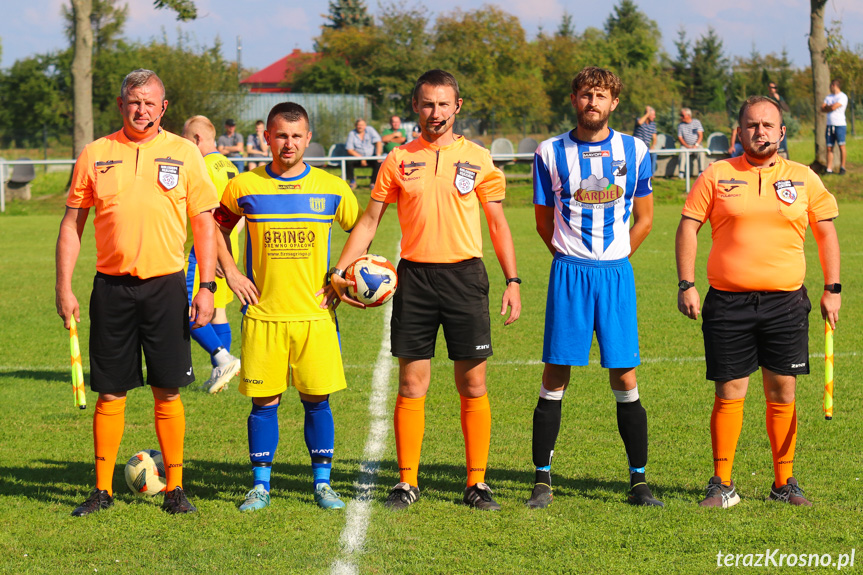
column 109, row 418
column 782, row 431
column 409, row 422
column 476, row 427
column 171, row 429
column 726, row 421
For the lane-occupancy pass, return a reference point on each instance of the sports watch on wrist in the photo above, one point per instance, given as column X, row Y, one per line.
column 515, row 280
column 684, row 285
column 833, row 288
column 208, row 285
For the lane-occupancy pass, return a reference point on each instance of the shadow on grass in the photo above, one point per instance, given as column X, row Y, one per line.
column 447, row 483
column 69, row 482
column 64, row 376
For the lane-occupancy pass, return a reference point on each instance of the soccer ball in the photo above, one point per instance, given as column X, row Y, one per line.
column 375, row 278
column 145, row 473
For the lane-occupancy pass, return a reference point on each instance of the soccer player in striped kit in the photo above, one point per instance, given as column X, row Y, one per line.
column 588, row 184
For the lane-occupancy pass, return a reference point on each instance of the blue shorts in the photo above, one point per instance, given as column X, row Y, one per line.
column 586, row 296
column 835, row 135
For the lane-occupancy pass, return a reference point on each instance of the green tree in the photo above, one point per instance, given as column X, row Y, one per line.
column 82, row 63
column 107, row 20
column 381, row 61
column 347, row 13
column 32, row 95
column 702, row 73
column 633, row 39
column 497, row 69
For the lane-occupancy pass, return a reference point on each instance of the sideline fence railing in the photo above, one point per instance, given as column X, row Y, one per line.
column 7, row 166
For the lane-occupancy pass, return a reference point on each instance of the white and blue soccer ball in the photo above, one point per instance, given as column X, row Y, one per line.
column 375, row 277
column 145, row 473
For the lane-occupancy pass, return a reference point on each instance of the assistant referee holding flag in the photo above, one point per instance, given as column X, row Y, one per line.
column 756, row 312
column 144, row 183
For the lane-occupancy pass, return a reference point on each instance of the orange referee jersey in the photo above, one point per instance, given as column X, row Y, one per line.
column 143, row 194
column 758, row 219
column 436, row 189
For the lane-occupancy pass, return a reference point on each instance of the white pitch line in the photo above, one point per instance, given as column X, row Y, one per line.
column 359, row 509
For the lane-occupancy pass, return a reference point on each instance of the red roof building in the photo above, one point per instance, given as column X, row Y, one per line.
column 277, row 77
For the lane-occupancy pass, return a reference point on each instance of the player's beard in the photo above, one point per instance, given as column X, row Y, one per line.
column 589, row 124
column 756, row 150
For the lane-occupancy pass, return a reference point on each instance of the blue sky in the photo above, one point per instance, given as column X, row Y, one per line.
column 271, row 29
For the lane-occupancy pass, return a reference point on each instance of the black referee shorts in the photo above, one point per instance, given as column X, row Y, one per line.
column 128, row 315
column 743, row 330
column 430, row 295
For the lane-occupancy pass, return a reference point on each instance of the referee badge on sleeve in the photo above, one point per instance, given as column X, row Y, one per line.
column 169, row 176
column 786, row 191
column 465, row 180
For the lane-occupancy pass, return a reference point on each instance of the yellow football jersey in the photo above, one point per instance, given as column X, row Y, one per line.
column 288, row 223
column 222, row 171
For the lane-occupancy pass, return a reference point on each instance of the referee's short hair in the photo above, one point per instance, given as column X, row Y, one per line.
column 751, row 101
column 138, row 78
column 593, row 77
column 289, row 112
column 436, row 77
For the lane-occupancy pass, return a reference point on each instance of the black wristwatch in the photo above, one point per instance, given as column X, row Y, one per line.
column 515, row 280
column 208, row 285
column 684, row 285
column 833, row 288
column 335, row 271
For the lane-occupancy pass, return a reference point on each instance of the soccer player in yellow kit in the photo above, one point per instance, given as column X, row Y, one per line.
column 215, row 337
column 290, row 208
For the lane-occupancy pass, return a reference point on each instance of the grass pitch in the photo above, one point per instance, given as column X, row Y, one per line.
column 46, row 449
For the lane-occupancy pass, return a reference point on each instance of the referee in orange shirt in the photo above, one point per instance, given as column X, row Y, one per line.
column 439, row 182
column 756, row 310
column 143, row 183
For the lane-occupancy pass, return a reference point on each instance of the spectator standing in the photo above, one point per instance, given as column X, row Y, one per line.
column 690, row 133
column 230, row 144
column 394, row 136
column 256, row 146
column 834, row 106
column 645, row 130
column 363, row 140
column 215, row 337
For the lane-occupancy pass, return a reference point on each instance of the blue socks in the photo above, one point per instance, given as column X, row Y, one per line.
column 263, row 426
column 207, row 338
column 223, row 330
column 320, row 434
column 319, row 431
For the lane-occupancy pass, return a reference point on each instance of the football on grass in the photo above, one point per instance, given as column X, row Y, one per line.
column 375, row 278
column 145, row 473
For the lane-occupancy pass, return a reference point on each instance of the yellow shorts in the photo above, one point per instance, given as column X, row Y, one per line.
column 306, row 354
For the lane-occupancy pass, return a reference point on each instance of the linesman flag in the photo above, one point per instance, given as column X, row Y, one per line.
column 77, row 368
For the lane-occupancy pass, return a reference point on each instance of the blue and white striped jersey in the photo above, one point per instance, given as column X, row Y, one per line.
column 591, row 186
